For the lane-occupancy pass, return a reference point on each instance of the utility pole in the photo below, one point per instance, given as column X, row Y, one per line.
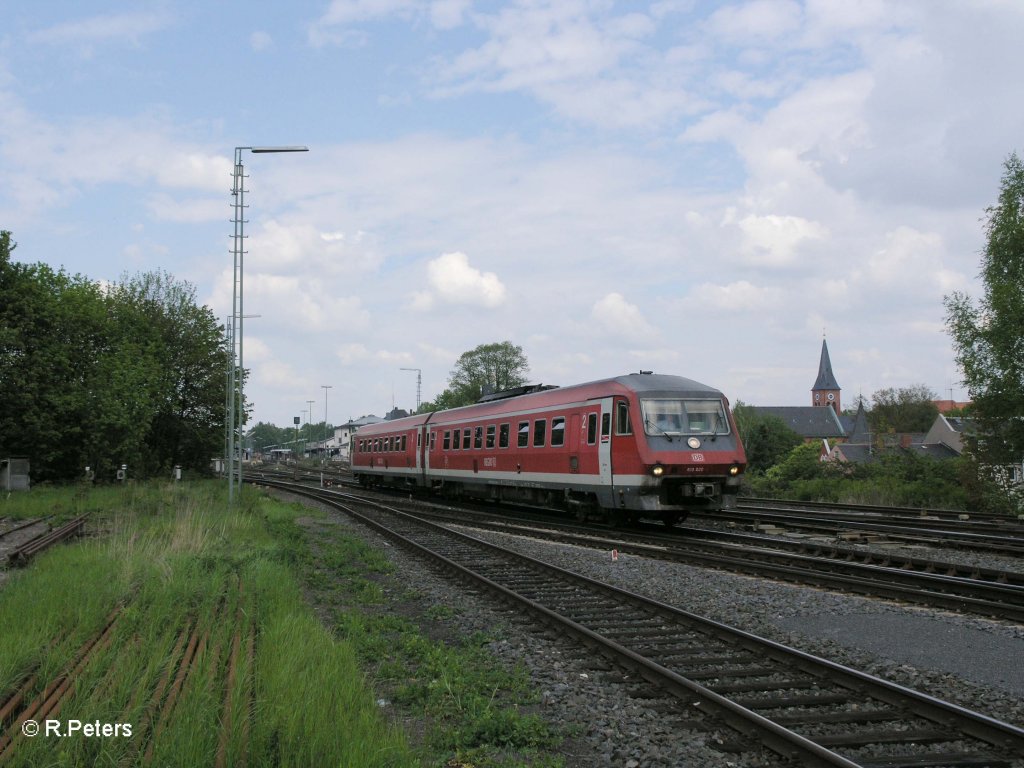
column 419, row 384
column 309, row 423
column 235, row 399
column 325, row 387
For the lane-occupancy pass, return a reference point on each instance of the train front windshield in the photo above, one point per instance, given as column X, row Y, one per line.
column 684, row 417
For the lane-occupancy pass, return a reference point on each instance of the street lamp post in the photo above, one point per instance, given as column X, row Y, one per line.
column 235, row 384
column 323, row 457
column 309, row 422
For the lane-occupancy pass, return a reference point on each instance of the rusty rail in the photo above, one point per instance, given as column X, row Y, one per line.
column 21, row 555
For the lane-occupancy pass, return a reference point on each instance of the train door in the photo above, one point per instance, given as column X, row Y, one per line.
column 604, row 449
column 422, row 453
column 574, row 443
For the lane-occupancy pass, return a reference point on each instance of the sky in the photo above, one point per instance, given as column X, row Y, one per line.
column 694, row 188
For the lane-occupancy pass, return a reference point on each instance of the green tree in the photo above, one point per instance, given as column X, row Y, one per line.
column 53, row 329
column 264, row 435
column 496, row 366
column 906, row 409
column 91, row 376
column 801, row 463
column 988, row 336
column 766, row 439
column 184, row 345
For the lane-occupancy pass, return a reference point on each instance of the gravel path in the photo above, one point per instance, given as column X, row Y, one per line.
column 623, row 722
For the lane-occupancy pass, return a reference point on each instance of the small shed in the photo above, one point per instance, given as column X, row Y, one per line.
column 14, row 474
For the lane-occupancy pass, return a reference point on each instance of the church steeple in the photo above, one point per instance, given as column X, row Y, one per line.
column 826, row 389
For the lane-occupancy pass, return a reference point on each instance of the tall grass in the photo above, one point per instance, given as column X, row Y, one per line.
column 169, row 558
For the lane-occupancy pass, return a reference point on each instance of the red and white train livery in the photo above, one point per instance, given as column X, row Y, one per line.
column 635, row 445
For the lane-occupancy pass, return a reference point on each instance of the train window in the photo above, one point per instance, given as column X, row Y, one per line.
column 419, row 439
column 558, row 430
column 524, row 434
column 478, row 437
column 432, row 436
column 606, row 424
column 591, row 428
column 490, row 436
column 503, row 435
column 690, row 417
column 540, row 427
column 623, row 426
column 456, row 442
column 466, row 438
column 403, row 444
column 376, row 444
column 447, row 442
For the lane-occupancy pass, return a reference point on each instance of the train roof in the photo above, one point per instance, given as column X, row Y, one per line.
column 643, row 383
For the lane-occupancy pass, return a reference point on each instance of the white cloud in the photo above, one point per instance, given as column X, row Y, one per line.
column 260, row 41
column 352, row 353
column 281, row 246
column 739, row 296
column 453, row 281
column 911, row 257
column 448, row 14
column 167, row 208
column 774, row 240
column 620, row 318
column 334, row 27
column 756, row 21
column 129, row 27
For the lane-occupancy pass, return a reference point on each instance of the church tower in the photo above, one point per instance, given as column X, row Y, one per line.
column 825, row 390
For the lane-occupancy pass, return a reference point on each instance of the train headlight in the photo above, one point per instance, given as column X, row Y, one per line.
column 694, row 443
column 657, row 470
column 734, row 470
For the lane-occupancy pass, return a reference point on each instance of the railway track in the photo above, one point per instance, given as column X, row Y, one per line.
column 23, row 553
column 1008, row 540
column 921, row 581
column 995, row 534
column 987, row 592
column 881, row 510
column 805, row 708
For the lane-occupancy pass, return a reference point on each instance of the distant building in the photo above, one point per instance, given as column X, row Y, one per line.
column 341, row 443
column 945, row 406
column 826, row 389
column 821, row 420
column 950, row 431
column 808, row 421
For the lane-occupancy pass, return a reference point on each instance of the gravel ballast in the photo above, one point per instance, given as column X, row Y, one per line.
column 618, row 721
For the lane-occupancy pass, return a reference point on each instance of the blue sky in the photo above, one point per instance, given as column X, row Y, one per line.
column 687, row 187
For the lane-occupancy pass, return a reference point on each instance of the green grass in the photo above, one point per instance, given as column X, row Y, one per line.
column 477, row 712
column 169, row 557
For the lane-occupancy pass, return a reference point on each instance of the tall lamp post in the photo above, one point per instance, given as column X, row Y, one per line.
column 323, row 458
column 309, row 423
column 235, row 384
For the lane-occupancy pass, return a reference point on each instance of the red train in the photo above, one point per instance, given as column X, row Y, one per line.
column 640, row 445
